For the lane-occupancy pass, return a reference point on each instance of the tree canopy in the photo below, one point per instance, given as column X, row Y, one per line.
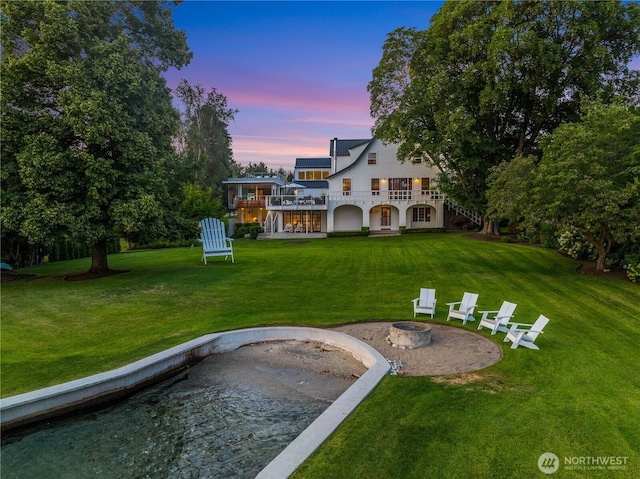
column 87, row 120
column 204, row 140
column 487, row 80
column 588, row 179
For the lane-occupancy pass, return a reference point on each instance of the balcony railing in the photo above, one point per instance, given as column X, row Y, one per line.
column 386, row 195
column 296, row 201
column 250, row 201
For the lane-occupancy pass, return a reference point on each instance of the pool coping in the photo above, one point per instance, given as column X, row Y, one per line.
column 60, row 399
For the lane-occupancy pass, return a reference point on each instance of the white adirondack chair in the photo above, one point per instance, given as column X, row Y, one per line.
column 214, row 240
column 525, row 334
column 500, row 319
column 464, row 309
column 426, row 303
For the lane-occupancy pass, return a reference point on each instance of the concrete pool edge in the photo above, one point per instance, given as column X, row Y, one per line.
column 43, row 403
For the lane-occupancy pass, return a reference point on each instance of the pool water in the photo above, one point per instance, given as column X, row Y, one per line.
column 221, row 418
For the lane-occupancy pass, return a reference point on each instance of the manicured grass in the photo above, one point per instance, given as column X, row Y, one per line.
column 579, row 396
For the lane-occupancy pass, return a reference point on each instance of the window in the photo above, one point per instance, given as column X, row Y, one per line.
column 375, row 186
column 372, row 159
column 346, row 186
column 316, row 221
column 425, row 186
column 400, row 188
column 312, row 175
column 422, row 214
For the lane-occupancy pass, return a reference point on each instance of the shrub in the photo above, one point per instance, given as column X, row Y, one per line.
column 572, row 242
column 404, row 230
column 165, row 243
column 632, row 266
column 251, row 229
column 344, row 234
column 548, row 236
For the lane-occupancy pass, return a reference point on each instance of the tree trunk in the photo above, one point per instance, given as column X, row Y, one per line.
column 603, row 246
column 99, row 257
column 490, row 227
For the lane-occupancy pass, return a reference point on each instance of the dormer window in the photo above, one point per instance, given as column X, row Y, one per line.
column 372, row 159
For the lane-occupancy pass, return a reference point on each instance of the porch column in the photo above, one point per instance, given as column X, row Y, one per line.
column 330, row 208
column 402, row 216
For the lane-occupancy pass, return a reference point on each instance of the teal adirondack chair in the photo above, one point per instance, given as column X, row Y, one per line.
column 214, row 240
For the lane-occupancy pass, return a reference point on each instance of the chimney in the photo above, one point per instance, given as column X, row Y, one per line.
column 335, row 155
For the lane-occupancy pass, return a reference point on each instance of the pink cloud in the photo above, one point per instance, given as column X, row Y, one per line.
column 276, row 152
column 283, row 115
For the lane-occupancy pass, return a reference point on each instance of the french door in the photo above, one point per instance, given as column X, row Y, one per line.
column 385, row 217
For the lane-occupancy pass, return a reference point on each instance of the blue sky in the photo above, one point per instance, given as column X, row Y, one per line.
column 296, row 71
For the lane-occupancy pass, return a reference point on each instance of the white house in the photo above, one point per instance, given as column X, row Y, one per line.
column 361, row 186
column 369, row 188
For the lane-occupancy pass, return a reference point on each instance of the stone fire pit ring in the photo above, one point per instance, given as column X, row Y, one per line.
column 410, row 334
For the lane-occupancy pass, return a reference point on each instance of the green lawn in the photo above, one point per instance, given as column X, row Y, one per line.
column 578, row 397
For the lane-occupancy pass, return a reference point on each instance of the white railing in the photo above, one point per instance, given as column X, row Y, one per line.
column 386, row 195
column 294, row 201
column 270, row 222
column 475, row 217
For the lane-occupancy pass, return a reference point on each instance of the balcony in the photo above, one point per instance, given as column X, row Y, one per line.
column 292, row 202
column 386, row 197
column 250, row 202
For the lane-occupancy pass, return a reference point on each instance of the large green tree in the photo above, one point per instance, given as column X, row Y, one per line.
column 204, row 140
column 87, row 121
column 588, row 179
column 488, row 79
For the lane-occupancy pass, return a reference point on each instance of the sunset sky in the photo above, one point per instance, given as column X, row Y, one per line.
column 296, row 71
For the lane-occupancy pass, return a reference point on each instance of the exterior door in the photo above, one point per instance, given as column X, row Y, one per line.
column 385, row 217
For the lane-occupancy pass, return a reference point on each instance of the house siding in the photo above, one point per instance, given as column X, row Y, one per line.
column 386, row 208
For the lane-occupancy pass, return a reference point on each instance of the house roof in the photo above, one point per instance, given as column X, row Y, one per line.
column 314, row 183
column 354, row 162
column 270, row 180
column 313, row 163
column 345, row 145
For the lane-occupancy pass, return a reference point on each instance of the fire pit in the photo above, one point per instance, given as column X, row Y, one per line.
column 409, row 334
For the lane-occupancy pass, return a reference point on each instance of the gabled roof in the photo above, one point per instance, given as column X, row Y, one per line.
column 313, row 163
column 363, row 154
column 345, row 145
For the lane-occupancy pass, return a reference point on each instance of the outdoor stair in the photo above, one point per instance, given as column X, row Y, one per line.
column 379, row 233
column 474, row 216
column 270, row 222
